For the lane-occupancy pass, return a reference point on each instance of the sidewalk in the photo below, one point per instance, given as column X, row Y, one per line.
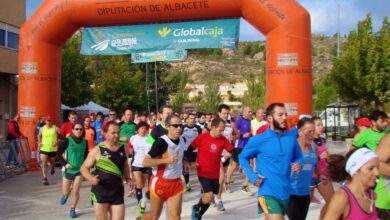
column 24, row 197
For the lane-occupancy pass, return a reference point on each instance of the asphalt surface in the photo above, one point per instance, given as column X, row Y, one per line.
column 24, row 197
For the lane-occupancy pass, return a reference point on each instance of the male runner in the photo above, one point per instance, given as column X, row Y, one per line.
column 277, row 153
column 190, row 131
column 47, row 139
column 243, row 124
column 232, row 134
column 127, row 127
column 210, row 146
column 66, row 128
column 76, row 150
column 110, row 159
column 166, row 159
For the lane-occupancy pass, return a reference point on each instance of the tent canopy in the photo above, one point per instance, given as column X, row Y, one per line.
column 89, row 107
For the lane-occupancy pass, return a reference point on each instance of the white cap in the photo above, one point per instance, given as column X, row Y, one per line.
column 304, row 116
column 358, row 159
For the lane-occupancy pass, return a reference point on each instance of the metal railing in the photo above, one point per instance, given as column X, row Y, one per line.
column 14, row 157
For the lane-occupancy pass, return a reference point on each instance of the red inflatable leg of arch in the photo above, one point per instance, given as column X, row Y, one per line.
column 285, row 23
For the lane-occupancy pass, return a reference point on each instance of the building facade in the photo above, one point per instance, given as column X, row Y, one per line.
column 12, row 16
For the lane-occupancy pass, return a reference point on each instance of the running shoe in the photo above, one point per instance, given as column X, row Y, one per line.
column 213, row 201
column 188, row 187
column 45, row 181
column 52, row 170
column 195, row 213
column 63, row 200
column 220, row 206
column 72, row 213
column 246, row 190
column 140, row 210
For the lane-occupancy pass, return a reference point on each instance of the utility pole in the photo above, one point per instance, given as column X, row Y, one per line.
column 338, row 3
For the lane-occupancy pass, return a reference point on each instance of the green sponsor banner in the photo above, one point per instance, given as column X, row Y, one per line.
column 118, row 40
column 160, row 55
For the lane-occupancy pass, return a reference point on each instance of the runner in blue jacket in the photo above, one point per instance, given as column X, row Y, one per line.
column 277, row 154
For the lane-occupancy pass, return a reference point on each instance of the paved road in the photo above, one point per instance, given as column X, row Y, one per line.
column 24, row 197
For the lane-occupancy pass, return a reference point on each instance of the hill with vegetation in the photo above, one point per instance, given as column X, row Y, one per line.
column 221, row 65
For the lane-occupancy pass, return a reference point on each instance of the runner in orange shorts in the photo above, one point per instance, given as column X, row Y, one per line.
column 166, row 159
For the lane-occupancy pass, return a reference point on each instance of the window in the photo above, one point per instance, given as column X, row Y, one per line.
column 2, row 37
column 9, row 36
column 12, row 40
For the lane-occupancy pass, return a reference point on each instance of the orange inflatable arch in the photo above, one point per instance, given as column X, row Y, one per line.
column 286, row 25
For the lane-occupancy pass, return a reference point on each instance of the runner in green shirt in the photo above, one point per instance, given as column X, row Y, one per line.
column 76, row 150
column 127, row 127
column 371, row 137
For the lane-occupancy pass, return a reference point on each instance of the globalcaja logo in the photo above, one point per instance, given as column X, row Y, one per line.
column 184, row 32
column 101, row 46
column 164, row 31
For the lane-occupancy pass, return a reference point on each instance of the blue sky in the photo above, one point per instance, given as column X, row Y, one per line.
column 323, row 16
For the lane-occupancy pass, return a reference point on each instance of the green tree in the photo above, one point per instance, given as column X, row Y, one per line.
column 255, row 96
column 77, row 76
column 211, row 98
column 120, row 85
column 180, row 96
column 362, row 72
column 324, row 93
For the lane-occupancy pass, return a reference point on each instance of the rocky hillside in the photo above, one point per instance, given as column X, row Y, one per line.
column 249, row 58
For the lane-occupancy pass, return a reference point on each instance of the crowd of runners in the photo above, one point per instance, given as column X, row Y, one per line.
column 152, row 156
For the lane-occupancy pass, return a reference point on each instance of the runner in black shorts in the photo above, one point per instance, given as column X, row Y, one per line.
column 112, row 166
column 138, row 146
column 210, row 146
column 49, row 154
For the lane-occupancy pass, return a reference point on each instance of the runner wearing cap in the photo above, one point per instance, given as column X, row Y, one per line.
column 371, row 137
column 355, row 200
column 47, row 139
column 362, row 124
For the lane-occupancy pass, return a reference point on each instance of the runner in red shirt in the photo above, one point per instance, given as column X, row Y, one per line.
column 67, row 127
column 210, row 146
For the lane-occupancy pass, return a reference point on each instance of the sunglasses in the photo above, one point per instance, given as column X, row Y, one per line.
column 176, row 125
column 78, row 129
column 112, row 114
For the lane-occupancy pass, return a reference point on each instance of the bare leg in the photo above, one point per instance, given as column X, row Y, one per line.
column 274, row 217
column 156, row 206
column 44, row 159
column 117, row 212
column 230, row 170
column 101, row 210
column 66, row 186
column 221, row 181
column 174, row 207
column 76, row 191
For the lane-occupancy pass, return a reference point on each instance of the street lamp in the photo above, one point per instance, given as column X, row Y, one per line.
column 338, row 3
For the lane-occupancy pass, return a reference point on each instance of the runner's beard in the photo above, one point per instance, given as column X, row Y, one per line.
column 277, row 125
